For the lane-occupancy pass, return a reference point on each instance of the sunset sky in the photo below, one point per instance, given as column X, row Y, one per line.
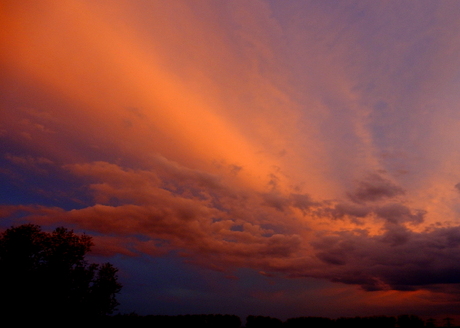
column 281, row 158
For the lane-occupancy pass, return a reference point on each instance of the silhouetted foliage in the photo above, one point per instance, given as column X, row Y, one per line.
column 133, row 320
column 448, row 322
column 410, row 321
column 310, row 322
column 45, row 275
column 263, row 322
column 364, row 322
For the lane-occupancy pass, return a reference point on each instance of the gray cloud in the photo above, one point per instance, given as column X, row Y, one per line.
column 398, row 213
column 302, row 201
column 457, row 186
column 375, row 188
column 275, row 200
column 345, row 210
column 399, row 259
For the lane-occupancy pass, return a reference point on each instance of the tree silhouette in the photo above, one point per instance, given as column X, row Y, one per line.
column 262, row 322
column 447, row 322
column 410, row 321
column 45, row 276
column 312, row 322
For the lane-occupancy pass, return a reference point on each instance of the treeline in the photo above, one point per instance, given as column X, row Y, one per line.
column 402, row 321
column 233, row 321
column 166, row 321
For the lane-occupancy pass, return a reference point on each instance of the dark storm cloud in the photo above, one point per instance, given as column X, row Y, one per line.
column 457, row 186
column 399, row 259
column 349, row 211
column 375, row 188
column 275, row 200
column 398, row 213
column 359, row 214
column 302, row 201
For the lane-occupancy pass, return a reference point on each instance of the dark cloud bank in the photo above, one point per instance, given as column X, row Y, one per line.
column 175, row 208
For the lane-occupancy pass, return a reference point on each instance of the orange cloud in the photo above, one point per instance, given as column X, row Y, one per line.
column 103, row 72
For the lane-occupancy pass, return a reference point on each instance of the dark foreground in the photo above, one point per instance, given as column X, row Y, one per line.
column 233, row 321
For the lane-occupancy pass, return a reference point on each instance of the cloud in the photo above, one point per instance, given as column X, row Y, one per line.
column 398, row 213
column 214, row 225
column 39, row 165
column 375, row 188
column 302, row 201
column 345, row 210
column 399, row 259
column 275, row 200
column 457, row 186
column 150, row 211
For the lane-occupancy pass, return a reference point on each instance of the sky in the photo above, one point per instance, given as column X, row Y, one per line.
column 278, row 158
